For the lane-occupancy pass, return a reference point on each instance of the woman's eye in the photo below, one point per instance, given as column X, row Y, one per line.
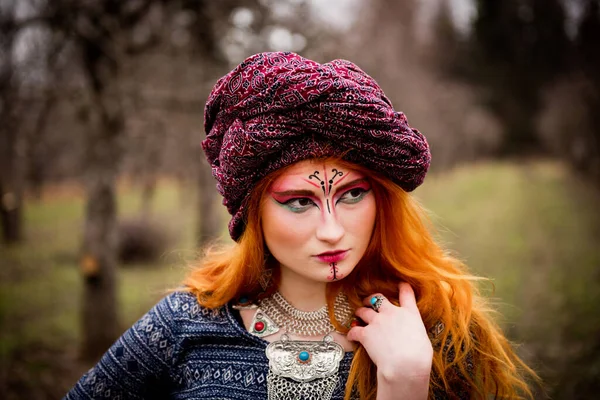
column 354, row 195
column 355, row 192
column 303, row 202
column 299, row 204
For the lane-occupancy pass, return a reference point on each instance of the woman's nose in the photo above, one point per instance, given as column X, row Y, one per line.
column 330, row 230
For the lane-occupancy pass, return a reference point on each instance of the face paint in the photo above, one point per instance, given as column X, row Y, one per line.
column 314, row 209
column 336, row 173
column 316, row 176
column 335, row 272
column 292, row 202
column 353, row 193
column 331, row 183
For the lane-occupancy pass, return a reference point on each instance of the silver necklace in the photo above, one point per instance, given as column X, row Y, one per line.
column 299, row 369
column 275, row 312
column 302, row 370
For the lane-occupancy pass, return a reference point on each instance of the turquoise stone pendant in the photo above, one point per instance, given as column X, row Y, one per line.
column 304, row 361
column 304, row 356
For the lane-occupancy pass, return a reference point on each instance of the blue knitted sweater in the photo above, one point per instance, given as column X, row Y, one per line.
column 180, row 350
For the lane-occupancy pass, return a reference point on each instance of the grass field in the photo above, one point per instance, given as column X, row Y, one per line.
column 532, row 228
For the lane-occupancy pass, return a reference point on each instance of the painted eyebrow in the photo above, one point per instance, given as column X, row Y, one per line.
column 351, row 183
column 313, row 194
column 306, row 193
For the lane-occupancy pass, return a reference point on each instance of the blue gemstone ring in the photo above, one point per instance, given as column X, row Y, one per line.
column 376, row 302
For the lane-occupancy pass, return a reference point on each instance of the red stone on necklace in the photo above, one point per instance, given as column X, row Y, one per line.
column 259, row 326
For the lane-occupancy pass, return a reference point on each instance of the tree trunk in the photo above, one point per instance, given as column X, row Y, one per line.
column 152, row 145
column 11, row 189
column 99, row 261
column 100, row 319
column 10, row 209
column 148, row 192
column 37, row 153
column 11, row 177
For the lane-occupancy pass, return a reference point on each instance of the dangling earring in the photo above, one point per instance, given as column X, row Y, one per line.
column 267, row 274
column 265, row 278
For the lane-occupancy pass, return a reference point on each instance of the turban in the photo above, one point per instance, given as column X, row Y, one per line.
column 275, row 109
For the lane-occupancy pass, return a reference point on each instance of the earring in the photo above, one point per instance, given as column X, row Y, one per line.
column 265, row 278
column 267, row 274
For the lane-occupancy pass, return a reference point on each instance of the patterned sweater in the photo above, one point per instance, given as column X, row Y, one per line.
column 180, row 350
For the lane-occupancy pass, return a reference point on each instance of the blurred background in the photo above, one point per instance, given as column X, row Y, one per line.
column 106, row 197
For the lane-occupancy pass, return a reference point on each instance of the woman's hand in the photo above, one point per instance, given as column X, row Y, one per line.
column 396, row 340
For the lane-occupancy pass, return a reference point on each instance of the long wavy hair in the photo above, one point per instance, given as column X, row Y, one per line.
column 471, row 355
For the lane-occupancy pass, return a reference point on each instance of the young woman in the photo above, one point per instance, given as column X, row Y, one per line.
column 334, row 288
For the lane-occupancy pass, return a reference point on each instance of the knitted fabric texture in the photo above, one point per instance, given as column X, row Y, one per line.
column 275, row 109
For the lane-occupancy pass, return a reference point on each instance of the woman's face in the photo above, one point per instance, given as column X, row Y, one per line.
column 317, row 219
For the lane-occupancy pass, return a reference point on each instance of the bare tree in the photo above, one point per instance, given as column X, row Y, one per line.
column 98, row 34
column 11, row 177
column 213, row 22
column 103, row 36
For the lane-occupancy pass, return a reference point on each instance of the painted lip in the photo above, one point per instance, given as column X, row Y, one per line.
column 332, row 256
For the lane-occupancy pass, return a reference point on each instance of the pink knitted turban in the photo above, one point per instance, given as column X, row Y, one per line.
column 275, row 109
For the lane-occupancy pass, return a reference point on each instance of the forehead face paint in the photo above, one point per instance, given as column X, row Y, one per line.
column 327, row 184
column 292, row 189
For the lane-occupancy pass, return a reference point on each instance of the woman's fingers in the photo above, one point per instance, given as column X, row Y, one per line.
column 395, row 339
column 356, row 334
column 366, row 314
column 378, row 303
column 407, row 297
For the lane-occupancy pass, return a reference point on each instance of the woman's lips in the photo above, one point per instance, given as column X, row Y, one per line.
column 333, row 257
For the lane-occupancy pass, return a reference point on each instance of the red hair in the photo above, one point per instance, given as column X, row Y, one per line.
column 402, row 248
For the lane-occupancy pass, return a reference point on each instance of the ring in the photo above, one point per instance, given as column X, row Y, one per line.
column 376, row 302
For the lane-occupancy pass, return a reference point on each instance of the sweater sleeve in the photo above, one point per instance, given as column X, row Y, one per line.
column 136, row 365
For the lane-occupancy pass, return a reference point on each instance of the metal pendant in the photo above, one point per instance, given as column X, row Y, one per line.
column 262, row 325
column 244, row 303
column 244, row 307
column 304, row 361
